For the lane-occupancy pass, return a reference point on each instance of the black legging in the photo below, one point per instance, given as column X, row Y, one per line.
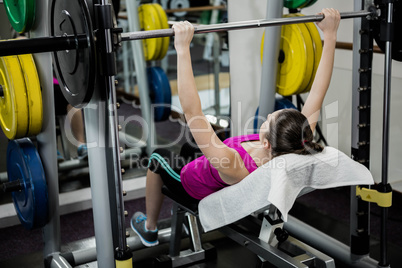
column 168, row 165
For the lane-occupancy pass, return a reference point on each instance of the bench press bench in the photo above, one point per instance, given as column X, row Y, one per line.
column 261, row 201
column 273, row 245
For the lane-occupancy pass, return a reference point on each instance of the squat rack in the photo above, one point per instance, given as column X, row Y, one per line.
column 106, row 178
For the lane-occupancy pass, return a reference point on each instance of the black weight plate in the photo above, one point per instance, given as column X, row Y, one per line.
column 397, row 20
column 75, row 69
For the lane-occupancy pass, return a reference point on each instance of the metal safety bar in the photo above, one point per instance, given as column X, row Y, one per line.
column 58, row 43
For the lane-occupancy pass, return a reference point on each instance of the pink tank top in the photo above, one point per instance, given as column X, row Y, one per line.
column 199, row 178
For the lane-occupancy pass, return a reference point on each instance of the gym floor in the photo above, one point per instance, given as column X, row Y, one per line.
column 326, row 210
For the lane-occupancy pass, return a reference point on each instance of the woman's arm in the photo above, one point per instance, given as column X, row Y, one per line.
column 223, row 158
column 329, row 26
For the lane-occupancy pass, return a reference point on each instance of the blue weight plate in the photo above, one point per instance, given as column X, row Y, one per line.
column 167, row 92
column 24, row 164
column 284, row 104
column 160, row 93
column 280, row 104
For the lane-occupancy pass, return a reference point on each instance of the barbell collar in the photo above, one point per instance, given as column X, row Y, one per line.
column 42, row 44
column 240, row 25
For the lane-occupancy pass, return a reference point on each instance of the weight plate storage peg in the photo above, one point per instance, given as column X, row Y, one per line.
column 34, row 94
column 75, row 69
column 29, row 189
column 13, row 98
column 21, row 14
column 149, row 20
column 160, row 93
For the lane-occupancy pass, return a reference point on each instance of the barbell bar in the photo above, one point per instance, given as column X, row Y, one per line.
column 221, row 27
column 71, row 42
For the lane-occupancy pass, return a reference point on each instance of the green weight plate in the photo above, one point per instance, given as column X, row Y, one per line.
column 308, row 3
column 294, row 4
column 75, row 69
column 21, row 14
column 397, row 20
column 25, row 166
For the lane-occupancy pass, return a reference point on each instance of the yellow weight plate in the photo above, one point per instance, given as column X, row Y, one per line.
column 294, row 70
column 34, row 94
column 164, row 25
column 13, row 101
column 149, row 20
column 310, row 55
column 317, row 43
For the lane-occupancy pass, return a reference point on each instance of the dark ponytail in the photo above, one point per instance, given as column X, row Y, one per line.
column 290, row 132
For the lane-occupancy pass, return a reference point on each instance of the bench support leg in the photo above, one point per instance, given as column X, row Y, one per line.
column 196, row 253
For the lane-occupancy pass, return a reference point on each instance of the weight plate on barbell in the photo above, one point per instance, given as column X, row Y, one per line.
column 160, row 93
column 34, row 94
column 25, row 165
column 75, row 69
column 179, row 4
column 21, row 14
column 397, row 21
column 164, row 25
column 149, row 20
column 13, row 102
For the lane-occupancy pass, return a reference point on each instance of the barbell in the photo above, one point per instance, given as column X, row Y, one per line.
column 77, row 41
column 241, row 25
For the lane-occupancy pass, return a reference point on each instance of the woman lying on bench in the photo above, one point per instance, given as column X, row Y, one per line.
column 221, row 164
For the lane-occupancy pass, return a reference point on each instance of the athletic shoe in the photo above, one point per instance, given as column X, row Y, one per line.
column 82, row 151
column 148, row 238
